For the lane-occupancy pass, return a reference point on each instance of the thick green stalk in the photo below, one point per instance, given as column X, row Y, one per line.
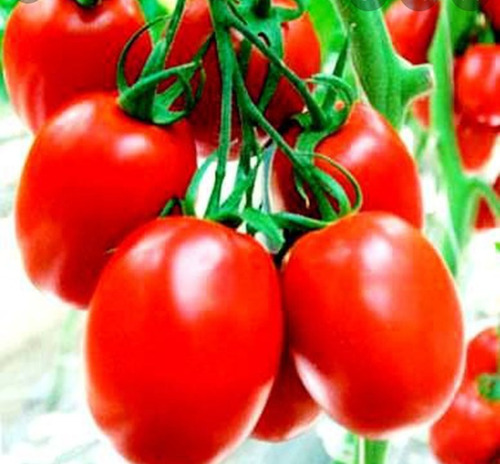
column 375, row 451
column 388, row 81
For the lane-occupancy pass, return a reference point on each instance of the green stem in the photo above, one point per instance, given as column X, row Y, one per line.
column 317, row 116
column 227, row 62
column 375, row 451
column 389, row 81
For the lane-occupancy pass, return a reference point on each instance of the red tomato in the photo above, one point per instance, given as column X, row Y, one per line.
column 290, row 410
column 373, row 152
column 469, row 432
column 478, row 84
column 375, row 322
column 412, row 31
column 196, row 27
column 56, row 50
column 492, row 10
column 421, row 110
column 183, row 341
column 92, row 176
column 485, row 218
column 483, row 353
column 476, row 142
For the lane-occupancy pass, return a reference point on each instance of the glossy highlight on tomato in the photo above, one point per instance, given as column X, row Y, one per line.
column 94, row 174
column 374, row 154
column 180, row 365
column 369, row 304
column 196, row 28
column 57, row 50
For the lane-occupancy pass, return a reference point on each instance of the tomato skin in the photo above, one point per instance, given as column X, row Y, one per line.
column 475, row 141
column 411, row 31
column 290, row 410
column 478, row 84
column 196, row 27
column 373, row 152
column 492, row 10
column 483, row 353
column 469, row 432
column 53, row 52
column 385, row 349
column 93, row 175
column 198, row 335
column 485, row 218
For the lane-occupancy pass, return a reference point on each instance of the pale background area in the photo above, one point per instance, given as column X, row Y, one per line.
column 43, row 415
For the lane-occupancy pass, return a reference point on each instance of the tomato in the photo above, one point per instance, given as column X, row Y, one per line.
column 290, row 410
column 196, row 27
column 375, row 324
column 412, row 30
column 181, row 363
column 492, row 10
column 483, row 353
column 476, row 142
column 373, row 152
column 92, row 175
column 56, row 50
column 469, row 432
column 485, row 218
column 478, row 84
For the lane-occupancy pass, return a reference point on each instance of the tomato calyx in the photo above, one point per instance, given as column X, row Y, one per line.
column 87, row 3
column 489, row 386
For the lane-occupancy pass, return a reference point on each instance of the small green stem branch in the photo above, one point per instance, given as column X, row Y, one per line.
column 87, row 3
column 389, row 82
column 374, row 451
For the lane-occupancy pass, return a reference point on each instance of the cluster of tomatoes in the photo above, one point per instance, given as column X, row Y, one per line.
column 476, row 81
column 196, row 339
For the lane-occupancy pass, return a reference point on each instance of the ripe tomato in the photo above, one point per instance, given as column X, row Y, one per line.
column 93, row 175
column 290, row 410
column 469, row 432
column 196, row 27
column 412, row 31
column 483, row 353
column 478, row 84
column 476, row 142
column 373, row 152
column 180, row 365
column 492, row 10
column 56, row 50
column 485, row 218
column 375, row 323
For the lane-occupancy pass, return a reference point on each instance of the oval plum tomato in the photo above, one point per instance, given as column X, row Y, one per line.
column 196, row 28
column 469, row 432
column 183, row 341
column 373, row 152
column 56, row 50
column 93, row 175
column 483, row 353
column 478, row 84
column 375, row 323
column 476, row 142
column 485, row 218
column 290, row 410
column 492, row 10
column 411, row 30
